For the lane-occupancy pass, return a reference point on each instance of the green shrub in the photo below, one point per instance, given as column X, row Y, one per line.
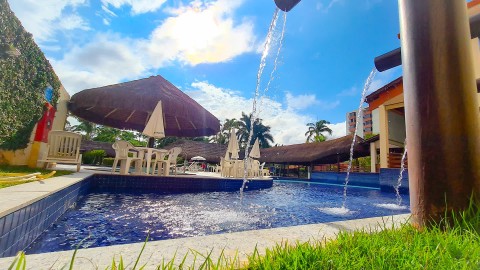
column 93, row 157
column 108, row 162
column 23, row 81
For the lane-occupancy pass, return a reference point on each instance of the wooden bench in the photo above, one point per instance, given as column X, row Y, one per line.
column 63, row 147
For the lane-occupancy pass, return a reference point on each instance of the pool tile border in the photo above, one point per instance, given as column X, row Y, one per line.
column 29, row 209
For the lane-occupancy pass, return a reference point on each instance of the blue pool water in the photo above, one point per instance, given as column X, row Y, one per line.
column 110, row 218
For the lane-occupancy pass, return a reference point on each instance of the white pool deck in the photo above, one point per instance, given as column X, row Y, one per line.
column 240, row 244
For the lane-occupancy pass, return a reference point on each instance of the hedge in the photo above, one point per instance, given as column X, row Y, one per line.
column 23, row 81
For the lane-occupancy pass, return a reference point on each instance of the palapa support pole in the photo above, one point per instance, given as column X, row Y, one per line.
column 441, row 107
column 151, row 142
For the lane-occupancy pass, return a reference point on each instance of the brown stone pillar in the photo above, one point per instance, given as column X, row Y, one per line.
column 442, row 117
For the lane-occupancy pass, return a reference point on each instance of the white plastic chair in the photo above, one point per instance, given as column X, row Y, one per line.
column 255, row 168
column 159, row 158
column 122, row 149
column 171, row 162
column 226, row 167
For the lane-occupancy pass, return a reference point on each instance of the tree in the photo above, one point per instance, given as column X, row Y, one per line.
column 223, row 136
column 316, row 130
column 107, row 134
column 260, row 131
column 86, row 127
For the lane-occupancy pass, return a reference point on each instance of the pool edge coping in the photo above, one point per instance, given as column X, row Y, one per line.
column 10, row 201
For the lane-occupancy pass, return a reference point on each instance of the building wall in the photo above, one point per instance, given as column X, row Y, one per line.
column 375, row 122
column 351, row 120
column 62, row 110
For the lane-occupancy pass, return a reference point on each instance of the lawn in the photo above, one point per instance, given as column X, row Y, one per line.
column 7, row 170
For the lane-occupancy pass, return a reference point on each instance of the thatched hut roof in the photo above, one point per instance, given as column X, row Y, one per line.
column 129, row 105
column 210, row 151
column 327, row 152
column 91, row 145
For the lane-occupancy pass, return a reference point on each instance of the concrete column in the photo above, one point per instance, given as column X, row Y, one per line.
column 373, row 157
column 384, row 143
column 441, row 107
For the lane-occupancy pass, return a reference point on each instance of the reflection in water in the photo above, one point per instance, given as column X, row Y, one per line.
column 111, row 218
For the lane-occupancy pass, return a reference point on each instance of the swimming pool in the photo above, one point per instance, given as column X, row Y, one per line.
column 103, row 218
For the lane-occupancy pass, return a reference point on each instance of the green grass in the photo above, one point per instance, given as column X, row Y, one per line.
column 454, row 245
column 443, row 246
column 6, row 169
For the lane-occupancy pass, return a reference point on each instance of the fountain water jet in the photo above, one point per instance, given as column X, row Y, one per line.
column 368, row 82
column 400, row 177
column 398, row 205
column 253, row 115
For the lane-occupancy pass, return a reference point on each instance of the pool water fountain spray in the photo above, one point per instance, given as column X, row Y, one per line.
column 344, row 210
column 398, row 205
column 275, row 62
column 263, row 61
column 359, row 118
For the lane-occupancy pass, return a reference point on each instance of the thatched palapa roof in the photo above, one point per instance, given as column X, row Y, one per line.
column 327, row 152
column 210, row 151
column 305, row 153
column 92, row 145
column 129, row 105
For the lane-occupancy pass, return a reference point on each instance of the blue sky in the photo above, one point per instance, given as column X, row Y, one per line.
column 211, row 50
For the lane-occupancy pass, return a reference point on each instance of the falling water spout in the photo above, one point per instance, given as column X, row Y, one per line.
column 286, row 5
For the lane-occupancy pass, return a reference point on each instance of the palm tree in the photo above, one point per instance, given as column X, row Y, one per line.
column 314, row 133
column 85, row 126
column 260, row 131
column 223, row 135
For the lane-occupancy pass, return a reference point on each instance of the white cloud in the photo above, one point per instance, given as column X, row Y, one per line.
column 326, row 7
column 108, row 60
column 338, row 130
column 138, row 6
column 73, row 21
column 302, row 102
column 44, row 18
column 202, row 34
column 287, row 126
column 205, row 34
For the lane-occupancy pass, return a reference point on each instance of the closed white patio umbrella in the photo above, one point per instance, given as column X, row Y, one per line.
column 233, row 148
column 255, row 152
column 155, row 127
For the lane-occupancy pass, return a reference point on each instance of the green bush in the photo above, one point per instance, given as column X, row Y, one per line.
column 23, row 81
column 93, row 157
column 108, row 162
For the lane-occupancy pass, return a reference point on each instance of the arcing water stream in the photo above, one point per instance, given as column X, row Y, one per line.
column 344, row 210
column 398, row 205
column 359, row 118
column 263, row 62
